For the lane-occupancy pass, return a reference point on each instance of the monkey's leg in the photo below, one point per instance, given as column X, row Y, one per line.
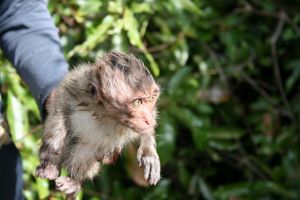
column 109, row 158
column 81, row 163
column 148, row 158
column 52, row 143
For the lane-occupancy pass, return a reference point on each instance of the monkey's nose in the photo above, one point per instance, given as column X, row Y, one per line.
column 149, row 122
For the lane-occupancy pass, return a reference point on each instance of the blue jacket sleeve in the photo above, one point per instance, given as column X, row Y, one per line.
column 29, row 39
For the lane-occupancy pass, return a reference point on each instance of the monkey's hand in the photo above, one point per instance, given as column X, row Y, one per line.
column 48, row 171
column 67, row 185
column 148, row 158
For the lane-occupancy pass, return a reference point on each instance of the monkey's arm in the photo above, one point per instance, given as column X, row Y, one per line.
column 52, row 144
column 148, row 158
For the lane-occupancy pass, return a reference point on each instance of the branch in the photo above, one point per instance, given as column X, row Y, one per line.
column 166, row 45
column 248, row 8
column 273, row 41
column 245, row 162
column 278, row 29
column 217, row 64
column 264, row 94
column 258, row 89
column 288, row 19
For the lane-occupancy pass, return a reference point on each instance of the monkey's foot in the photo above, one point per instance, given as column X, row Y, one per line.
column 151, row 164
column 67, row 185
column 49, row 171
column 110, row 158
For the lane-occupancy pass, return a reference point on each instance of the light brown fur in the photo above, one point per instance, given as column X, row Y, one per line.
column 94, row 113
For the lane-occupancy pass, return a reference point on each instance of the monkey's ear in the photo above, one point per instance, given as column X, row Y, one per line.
column 91, row 89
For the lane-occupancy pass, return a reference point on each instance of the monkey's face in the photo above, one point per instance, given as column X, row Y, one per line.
column 136, row 111
column 142, row 112
column 127, row 91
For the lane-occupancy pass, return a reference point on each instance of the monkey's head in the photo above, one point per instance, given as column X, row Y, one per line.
column 126, row 90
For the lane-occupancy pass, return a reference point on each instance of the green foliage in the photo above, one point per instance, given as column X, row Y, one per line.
column 229, row 110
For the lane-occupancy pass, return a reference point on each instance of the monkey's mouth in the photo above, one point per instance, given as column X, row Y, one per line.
column 144, row 130
column 136, row 128
column 141, row 130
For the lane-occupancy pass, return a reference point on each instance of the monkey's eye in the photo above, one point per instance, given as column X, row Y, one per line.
column 150, row 99
column 137, row 102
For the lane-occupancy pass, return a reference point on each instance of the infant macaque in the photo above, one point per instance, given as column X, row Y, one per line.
column 97, row 110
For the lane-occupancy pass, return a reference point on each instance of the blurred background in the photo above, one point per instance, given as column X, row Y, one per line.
column 229, row 109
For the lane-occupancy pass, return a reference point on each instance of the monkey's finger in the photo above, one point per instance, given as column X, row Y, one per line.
column 153, row 175
column 139, row 158
column 140, row 162
column 147, row 168
column 66, row 185
column 155, row 172
column 152, row 178
column 70, row 190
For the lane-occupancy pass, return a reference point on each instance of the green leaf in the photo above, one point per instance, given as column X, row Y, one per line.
column 192, row 7
column 183, row 173
column 224, row 133
column 205, row 190
column 95, row 38
column 115, row 6
column 223, row 145
column 16, row 117
column 159, row 192
column 274, row 188
column 177, row 79
column 295, row 66
column 181, row 53
column 90, row 7
column 232, row 191
column 188, row 118
column 166, row 140
column 200, row 138
column 141, row 7
column 131, row 26
column 42, row 188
